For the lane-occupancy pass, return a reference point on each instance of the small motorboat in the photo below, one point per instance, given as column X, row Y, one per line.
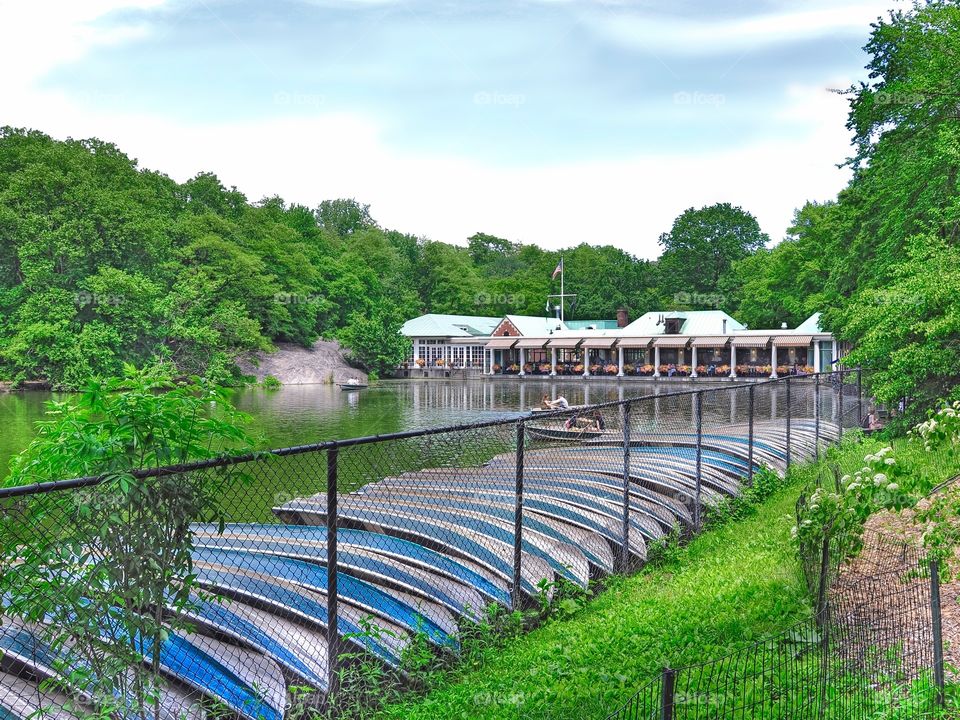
column 352, row 384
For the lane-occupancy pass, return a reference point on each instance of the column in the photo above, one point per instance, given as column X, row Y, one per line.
column 773, row 361
column 816, row 356
column 619, row 362
column 656, row 361
column 416, row 350
column 523, row 358
column 834, row 355
column 586, row 364
column 693, row 361
column 553, row 362
column 733, row 360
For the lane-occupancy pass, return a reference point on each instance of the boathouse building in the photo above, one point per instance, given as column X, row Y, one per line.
column 675, row 344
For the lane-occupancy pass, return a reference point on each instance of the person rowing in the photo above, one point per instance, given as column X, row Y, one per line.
column 560, row 403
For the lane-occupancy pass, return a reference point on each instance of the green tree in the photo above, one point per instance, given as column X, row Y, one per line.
column 113, row 558
column 700, row 249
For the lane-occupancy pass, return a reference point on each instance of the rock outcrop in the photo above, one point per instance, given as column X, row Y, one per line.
column 294, row 364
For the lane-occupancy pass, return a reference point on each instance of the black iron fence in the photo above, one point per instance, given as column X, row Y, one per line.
column 349, row 562
column 873, row 649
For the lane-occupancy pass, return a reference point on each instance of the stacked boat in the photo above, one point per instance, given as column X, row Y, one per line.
column 420, row 554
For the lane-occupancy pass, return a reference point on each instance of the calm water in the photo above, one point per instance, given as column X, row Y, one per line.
column 297, row 415
column 302, row 414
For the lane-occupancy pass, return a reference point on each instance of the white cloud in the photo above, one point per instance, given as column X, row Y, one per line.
column 627, row 202
column 39, row 35
column 698, row 37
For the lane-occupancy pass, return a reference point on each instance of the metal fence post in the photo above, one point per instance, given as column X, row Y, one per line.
column 935, row 612
column 840, row 399
column 752, row 405
column 667, row 694
column 816, row 417
column 518, row 519
column 789, row 418
column 859, row 396
column 333, row 630
column 699, row 476
column 625, row 532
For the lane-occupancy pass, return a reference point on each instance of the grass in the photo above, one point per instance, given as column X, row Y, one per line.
column 735, row 584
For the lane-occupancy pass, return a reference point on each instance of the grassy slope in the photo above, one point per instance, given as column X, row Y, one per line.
column 730, row 586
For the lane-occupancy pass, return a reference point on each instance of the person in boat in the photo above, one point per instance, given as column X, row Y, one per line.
column 560, row 403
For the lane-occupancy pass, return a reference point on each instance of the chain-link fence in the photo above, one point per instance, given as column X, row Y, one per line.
column 348, row 564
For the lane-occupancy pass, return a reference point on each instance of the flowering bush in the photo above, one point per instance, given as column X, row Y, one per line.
column 663, row 369
column 683, row 369
column 497, row 367
column 629, row 369
column 595, row 369
column 544, row 368
column 611, row 369
column 645, row 370
column 528, row 367
column 578, row 369
column 513, row 368
column 701, row 369
column 839, row 515
column 559, row 369
column 942, row 428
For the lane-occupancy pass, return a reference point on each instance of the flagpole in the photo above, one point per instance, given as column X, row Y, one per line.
column 562, row 298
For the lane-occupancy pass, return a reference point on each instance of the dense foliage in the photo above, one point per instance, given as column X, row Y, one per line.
column 882, row 260
column 102, row 262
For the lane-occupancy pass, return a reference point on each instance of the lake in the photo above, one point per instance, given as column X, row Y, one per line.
column 305, row 414
column 300, row 414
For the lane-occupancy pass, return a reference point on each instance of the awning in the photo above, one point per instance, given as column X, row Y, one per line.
column 500, row 343
column 634, row 342
column 673, row 341
column 529, row 343
column 599, row 342
column 792, row 340
column 710, row 341
column 751, row 341
column 565, row 343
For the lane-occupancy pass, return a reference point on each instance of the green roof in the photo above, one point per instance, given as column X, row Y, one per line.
column 695, row 322
column 584, row 324
column 436, row 325
column 810, row 326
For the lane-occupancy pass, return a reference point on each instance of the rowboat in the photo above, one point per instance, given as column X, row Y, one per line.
column 560, row 432
column 352, row 386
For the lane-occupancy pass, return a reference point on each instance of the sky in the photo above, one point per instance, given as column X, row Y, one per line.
column 552, row 122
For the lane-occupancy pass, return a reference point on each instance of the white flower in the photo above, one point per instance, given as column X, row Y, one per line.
column 890, row 461
column 845, row 479
column 893, row 487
